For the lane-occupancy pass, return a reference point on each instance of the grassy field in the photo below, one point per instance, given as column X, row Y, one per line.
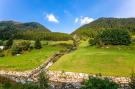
column 111, row 60
column 30, row 60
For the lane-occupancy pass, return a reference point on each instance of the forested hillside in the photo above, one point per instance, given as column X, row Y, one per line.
column 107, row 23
column 29, row 31
column 23, row 26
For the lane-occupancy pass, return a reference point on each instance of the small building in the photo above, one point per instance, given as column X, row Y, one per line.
column 1, row 47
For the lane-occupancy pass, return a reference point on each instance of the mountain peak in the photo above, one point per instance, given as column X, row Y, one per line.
column 23, row 26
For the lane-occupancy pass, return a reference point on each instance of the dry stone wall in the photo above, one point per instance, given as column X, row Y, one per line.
column 71, row 77
column 64, row 77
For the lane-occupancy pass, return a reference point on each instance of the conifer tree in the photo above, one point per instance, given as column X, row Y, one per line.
column 37, row 44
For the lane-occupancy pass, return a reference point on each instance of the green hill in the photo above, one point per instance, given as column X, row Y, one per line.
column 22, row 26
column 107, row 23
column 29, row 31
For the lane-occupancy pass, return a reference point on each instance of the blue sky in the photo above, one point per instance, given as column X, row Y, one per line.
column 64, row 15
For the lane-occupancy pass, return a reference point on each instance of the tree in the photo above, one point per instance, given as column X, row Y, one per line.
column 9, row 43
column 18, row 48
column 113, row 37
column 15, row 50
column 85, row 33
column 37, row 44
column 109, row 23
column 1, row 42
column 98, row 83
column 76, row 40
column 43, row 80
column 92, row 42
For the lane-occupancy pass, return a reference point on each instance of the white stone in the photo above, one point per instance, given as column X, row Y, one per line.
column 18, row 54
column 1, row 47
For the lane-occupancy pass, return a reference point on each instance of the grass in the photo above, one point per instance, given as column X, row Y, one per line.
column 30, row 60
column 112, row 61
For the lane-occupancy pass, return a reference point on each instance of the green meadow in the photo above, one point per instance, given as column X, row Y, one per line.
column 32, row 59
column 109, row 60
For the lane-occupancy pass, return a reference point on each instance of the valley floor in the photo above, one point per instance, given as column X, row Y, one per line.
column 32, row 59
column 110, row 60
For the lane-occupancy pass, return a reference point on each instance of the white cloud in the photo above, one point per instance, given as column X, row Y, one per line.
column 76, row 20
column 83, row 20
column 86, row 20
column 52, row 18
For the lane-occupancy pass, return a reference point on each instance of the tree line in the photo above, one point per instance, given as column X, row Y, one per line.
column 10, row 32
column 29, row 31
column 91, row 29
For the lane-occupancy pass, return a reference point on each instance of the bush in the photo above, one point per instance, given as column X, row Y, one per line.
column 132, row 83
column 133, row 40
column 1, row 42
column 76, row 40
column 1, row 53
column 18, row 48
column 43, row 80
column 10, row 85
column 85, row 33
column 92, row 42
column 113, row 37
column 42, row 83
column 28, row 86
column 37, row 44
column 98, row 83
column 9, row 43
column 15, row 50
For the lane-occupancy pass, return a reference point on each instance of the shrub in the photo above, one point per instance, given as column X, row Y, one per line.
column 1, row 53
column 98, row 83
column 24, row 45
column 113, row 37
column 42, row 83
column 15, row 50
column 43, row 80
column 133, row 40
column 132, row 83
column 37, row 44
column 9, row 43
column 1, row 42
column 47, row 43
column 92, row 42
column 10, row 85
column 28, row 86
column 76, row 40
column 18, row 48
column 85, row 33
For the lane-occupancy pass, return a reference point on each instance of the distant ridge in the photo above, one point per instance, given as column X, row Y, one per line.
column 23, row 26
column 103, row 23
column 29, row 31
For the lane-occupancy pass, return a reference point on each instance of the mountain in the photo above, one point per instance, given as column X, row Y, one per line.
column 107, row 23
column 22, row 26
column 29, row 31
column 13, row 29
